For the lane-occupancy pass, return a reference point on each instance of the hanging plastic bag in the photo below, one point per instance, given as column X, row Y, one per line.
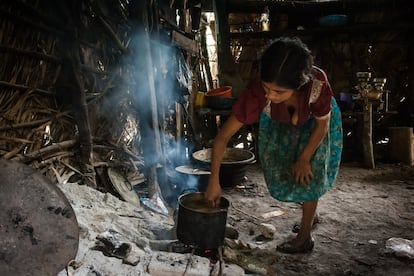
column 155, row 203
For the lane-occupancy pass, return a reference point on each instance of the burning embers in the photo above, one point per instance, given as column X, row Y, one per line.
column 200, row 227
column 213, row 254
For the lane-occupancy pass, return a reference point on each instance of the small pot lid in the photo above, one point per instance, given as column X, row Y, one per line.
column 121, row 184
column 187, row 169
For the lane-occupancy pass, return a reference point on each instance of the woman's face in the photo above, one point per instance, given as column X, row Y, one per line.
column 275, row 93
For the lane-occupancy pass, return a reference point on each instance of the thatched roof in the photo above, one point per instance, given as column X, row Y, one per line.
column 70, row 86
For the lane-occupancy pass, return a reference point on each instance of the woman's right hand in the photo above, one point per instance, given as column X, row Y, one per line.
column 213, row 193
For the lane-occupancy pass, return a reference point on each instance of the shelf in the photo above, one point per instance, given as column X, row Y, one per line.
column 326, row 30
column 354, row 113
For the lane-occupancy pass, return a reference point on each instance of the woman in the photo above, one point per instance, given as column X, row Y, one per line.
column 300, row 132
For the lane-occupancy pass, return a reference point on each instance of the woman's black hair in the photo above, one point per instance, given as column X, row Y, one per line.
column 286, row 62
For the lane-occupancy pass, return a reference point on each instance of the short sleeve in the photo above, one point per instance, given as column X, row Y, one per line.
column 250, row 104
column 321, row 91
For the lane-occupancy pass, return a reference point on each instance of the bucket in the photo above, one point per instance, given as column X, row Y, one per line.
column 200, row 225
column 200, row 100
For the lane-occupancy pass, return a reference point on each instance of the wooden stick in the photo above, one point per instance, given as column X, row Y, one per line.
column 247, row 214
column 41, row 56
column 46, row 150
column 49, row 58
column 112, row 34
column 15, row 139
column 34, row 123
column 14, row 17
column 15, row 151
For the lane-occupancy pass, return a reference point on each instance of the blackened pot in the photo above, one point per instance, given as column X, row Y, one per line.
column 232, row 175
column 200, row 225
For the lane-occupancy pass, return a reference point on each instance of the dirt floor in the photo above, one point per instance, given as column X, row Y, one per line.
column 358, row 215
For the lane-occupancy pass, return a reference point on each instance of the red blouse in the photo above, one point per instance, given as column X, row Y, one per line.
column 314, row 100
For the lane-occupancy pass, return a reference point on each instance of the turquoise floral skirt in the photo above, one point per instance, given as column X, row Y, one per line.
column 281, row 144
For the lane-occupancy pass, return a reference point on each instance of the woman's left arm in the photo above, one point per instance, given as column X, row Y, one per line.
column 301, row 169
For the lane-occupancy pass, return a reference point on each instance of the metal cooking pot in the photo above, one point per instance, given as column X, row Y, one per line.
column 200, row 225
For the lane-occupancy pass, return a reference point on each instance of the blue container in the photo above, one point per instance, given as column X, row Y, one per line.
column 333, row 20
column 346, row 101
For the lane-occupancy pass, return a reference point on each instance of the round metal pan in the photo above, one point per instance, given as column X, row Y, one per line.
column 38, row 228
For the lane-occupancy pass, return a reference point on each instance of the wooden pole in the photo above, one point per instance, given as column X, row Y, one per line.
column 145, row 94
column 224, row 57
column 228, row 71
column 204, row 57
column 367, row 136
column 70, row 91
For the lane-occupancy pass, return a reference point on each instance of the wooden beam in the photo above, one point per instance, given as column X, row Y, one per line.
column 366, row 28
column 224, row 57
column 315, row 7
column 184, row 42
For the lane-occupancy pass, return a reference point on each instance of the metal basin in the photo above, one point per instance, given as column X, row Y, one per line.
column 233, row 165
